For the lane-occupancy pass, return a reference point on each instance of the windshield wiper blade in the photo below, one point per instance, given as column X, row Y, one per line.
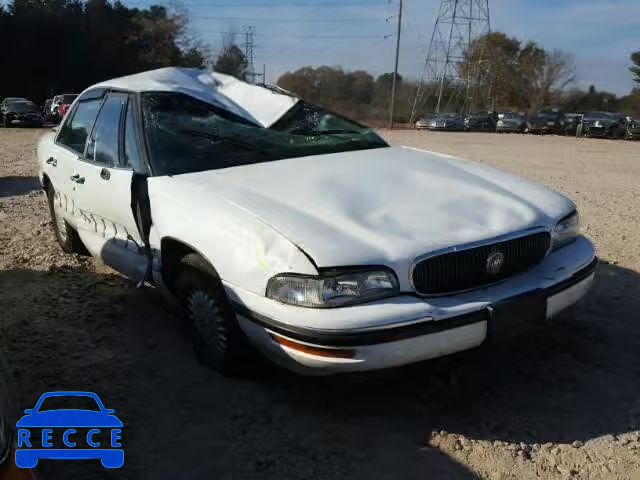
column 226, row 138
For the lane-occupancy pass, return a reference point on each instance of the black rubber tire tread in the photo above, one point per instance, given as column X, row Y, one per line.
column 233, row 355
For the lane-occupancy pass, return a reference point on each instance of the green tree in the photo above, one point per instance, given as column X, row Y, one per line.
column 232, row 61
column 68, row 45
column 635, row 69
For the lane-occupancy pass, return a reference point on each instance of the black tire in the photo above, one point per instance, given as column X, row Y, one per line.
column 67, row 238
column 218, row 341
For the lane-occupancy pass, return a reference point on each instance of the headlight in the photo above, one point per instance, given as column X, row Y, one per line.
column 334, row 290
column 566, row 230
column 597, row 124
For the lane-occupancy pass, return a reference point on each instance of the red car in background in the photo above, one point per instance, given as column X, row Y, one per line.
column 63, row 109
column 61, row 103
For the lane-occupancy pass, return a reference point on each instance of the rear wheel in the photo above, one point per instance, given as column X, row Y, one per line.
column 66, row 236
column 218, row 340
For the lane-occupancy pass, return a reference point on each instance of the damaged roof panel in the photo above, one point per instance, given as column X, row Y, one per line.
column 260, row 105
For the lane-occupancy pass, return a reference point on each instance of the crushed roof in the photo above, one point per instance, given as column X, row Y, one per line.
column 258, row 104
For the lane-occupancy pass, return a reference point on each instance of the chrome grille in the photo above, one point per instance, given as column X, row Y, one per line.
column 467, row 269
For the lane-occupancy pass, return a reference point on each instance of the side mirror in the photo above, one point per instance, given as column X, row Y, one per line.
column 55, row 129
column 29, row 411
column 109, row 411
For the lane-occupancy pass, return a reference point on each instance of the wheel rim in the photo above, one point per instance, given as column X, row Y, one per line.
column 205, row 316
column 61, row 225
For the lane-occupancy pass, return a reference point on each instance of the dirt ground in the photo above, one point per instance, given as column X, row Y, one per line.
column 564, row 403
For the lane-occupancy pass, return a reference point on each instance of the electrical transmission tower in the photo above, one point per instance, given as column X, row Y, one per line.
column 249, row 32
column 456, row 73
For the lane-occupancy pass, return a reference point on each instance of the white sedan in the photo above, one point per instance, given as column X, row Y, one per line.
column 277, row 224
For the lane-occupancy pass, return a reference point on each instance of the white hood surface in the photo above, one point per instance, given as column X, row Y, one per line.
column 382, row 206
column 260, row 105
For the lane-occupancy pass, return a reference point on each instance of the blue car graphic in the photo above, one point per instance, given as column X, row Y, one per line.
column 69, row 418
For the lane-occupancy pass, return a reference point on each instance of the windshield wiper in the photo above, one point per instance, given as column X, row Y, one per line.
column 226, row 138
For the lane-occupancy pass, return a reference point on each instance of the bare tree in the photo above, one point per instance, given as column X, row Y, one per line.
column 551, row 73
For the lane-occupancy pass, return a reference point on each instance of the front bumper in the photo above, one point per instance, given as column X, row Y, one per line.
column 25, row 121
column 408, row 328
column 508, row 127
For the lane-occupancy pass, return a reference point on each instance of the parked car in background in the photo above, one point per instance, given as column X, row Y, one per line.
column 423, row 123
column 547, row 121
column 61, row 101
column 633, row 129
column 21, row 114
column 8, row 100
column 510, row 122
column 238, row 203
column 46, row 110
column 571, row 122
column 63, row 109
column 446, row 121
column 481, row 121
column 602, row 125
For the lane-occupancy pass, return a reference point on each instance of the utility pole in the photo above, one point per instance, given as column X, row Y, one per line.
column 395, row 71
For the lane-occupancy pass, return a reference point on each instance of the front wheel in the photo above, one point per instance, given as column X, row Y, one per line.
column 218, row 340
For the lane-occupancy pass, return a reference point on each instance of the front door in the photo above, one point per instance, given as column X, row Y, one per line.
column 67, row 151
column 102, row 192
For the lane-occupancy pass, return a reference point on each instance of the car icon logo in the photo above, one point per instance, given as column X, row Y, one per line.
column 495, row 263
column 91, row 432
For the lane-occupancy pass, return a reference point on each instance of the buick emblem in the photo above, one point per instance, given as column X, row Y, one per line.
column 495, row 262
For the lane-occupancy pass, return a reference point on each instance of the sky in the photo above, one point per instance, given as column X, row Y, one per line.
column 600, row 34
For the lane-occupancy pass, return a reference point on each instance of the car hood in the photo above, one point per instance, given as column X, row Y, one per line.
column 383, row 205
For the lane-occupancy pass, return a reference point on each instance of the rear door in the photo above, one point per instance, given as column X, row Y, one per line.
column 103, row 192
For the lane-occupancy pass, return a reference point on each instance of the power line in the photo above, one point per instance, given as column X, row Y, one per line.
column 294, row 35
column 293, row 20
column 262, row 5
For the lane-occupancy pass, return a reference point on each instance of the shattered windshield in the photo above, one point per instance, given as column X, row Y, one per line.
column 187, row 135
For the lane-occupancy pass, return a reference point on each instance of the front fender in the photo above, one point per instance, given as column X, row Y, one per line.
column 244, row 250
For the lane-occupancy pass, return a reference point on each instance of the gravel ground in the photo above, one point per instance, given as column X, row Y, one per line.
column 564, row 403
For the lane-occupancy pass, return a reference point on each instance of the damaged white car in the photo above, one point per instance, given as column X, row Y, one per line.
column 278, row 224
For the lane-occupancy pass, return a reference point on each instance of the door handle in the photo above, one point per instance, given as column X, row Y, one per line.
column 105, row 174
column 52, row 161
column 77, row 178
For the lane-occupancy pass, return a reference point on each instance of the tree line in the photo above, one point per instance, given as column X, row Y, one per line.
column 522, row 76
column 64, row 46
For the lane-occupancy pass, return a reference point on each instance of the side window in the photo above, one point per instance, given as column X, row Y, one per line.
column 104, row 144
column 76, row 129
column 131, row 157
